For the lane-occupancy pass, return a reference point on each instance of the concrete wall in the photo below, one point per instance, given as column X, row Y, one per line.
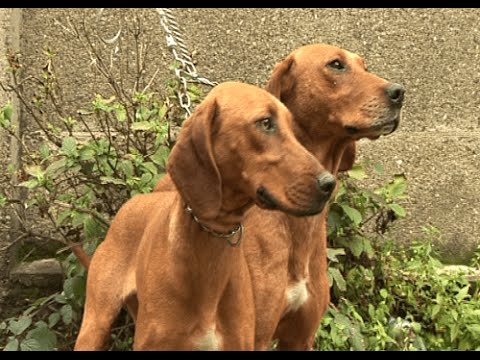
column 435, row 53
column 10, row 22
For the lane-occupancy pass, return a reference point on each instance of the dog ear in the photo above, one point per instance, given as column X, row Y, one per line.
column 348, row 157
column 192, row 164
column 281, row 81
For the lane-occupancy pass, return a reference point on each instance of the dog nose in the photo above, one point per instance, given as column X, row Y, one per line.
column 326, row 183
column 395, row 93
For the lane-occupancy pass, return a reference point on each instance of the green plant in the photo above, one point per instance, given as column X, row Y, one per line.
column 388, row 296
column 82, row 166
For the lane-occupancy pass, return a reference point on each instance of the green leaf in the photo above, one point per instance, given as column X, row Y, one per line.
column 78, row 218
column 53, row 319
column 127, row 167
column 92, row 229
column 150, row 166
column 357, row 172
column 17, row 327
column 68, row 288
column 35, row 171
column 435, row 310
column 454, row 314
column 334, row 220
column 352, row 213
column 454, row 331
column 56, row 167
column 7, row 111
column 367, row 248
column 44, row 151
column 356, row 246
column 3, row 201
column 397, row 209
column 358, row 343
column 145, row 179
column 338, row 278
column 45, row 338
column 12, row 345
column 163, row 110
column 464, row 344
column 398, row 186
column 111, row 180
column 60, row 298
column 161, row 155
column 63, row 216
column 463, row 293
column 67, row 314
column 78, row 287
column 342, row 320
column 143, row 126
column 474, row 329
column 333, row 253
column 69, row 147
column 120, row 113
column 30, row 184
column 30, row 345
column 86, row 153
column 40, row 324
column 383, row 293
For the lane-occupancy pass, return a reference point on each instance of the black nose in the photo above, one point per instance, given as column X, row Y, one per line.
column 395, row 93
column 326, row 183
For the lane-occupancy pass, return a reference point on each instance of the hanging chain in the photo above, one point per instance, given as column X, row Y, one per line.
column 186, row 72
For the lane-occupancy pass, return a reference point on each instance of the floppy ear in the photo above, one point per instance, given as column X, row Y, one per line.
column 192, row 164
column 281, row 81
column 348, row 157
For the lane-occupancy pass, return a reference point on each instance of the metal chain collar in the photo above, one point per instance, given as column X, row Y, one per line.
column 186, row 71
column 228, row 235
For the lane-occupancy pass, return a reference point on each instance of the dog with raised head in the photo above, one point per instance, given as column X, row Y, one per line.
column 334, row 101
column 176, row 258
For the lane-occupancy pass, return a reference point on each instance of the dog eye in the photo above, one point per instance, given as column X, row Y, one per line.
column 336, row 64
column 267, row 125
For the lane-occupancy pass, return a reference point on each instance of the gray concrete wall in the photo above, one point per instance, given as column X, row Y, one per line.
column 10, row 23
column 435, row 53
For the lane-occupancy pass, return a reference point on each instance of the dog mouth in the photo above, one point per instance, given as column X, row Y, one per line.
column 266, row 200
column 381, row 127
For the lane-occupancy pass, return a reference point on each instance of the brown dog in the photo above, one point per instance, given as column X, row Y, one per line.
column 167, row 256
column 334, row 101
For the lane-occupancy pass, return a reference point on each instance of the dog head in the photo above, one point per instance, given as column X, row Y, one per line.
column 331, row 93
column 239, row 144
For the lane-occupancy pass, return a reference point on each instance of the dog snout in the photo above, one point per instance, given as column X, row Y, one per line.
column 326, row 183
column 395, row 93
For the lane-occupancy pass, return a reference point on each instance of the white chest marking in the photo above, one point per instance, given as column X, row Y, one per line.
column 297, row 295
column 209, row 341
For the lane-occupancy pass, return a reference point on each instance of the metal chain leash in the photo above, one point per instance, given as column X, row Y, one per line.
column 186, row 72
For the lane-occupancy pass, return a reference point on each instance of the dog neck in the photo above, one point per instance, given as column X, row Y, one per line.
column 327, row 148
column 228, row 223
column 238, row 230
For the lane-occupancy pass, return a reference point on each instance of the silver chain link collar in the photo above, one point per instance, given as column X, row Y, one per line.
column 228, row 235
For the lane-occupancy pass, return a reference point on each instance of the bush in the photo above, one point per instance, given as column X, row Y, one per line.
column 80, row 167
column 388, row 296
